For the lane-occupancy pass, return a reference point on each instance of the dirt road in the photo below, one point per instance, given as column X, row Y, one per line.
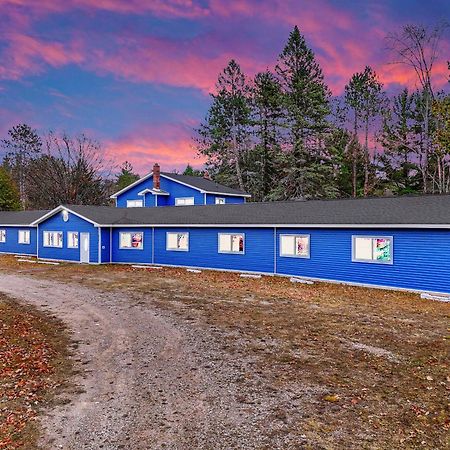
column 147, row 381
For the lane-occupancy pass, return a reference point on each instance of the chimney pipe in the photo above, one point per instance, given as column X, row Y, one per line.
column 156, row 177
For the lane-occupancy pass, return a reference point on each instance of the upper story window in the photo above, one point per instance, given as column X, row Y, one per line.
column 220, row 200
column 294, row 245
column 184, row 201
column 135, row 203
column 177, row 241
column 2, row 236
column 24, row 237
column 231, row 243
column 373, row 249
column 53, row 239
column 72, row 239
column 131, row 240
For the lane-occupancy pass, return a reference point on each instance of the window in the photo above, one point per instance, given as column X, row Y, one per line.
column 24, row 237
column 177, row 241
column 131, row 240
column 135, row 203
column 2, row 236
column 72, row 239
column 220, row 201
column 53, row 239
column 231, row 243
column 294, row 245
column 184, row 201
column 376, row 249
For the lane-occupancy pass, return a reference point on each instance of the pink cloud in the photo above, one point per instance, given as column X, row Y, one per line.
column 169, row 145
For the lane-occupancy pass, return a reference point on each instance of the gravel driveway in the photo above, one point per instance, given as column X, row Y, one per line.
column 147, row 380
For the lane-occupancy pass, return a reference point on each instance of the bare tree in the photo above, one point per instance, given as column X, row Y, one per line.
column 418, row 47
column 70, row 171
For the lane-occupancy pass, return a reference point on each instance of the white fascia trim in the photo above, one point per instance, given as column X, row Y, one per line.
column 21, row 225
column 225, row 193
column 202, row 190
column 131, row 185
column 18, row 254
column 152, row 191
column 71, row 261
column 291, row 225
column 62, row 208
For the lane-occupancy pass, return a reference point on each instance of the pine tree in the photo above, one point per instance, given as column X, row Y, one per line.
column 23, row 145
column 306, row 104
column 224, row 135
column 365, row 99
column 400, row 139
column 9, row 195
column 267, row 112
column 126, row 176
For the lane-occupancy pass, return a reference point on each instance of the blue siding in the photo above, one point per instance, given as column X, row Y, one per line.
column 105, row 245
column 203, row 249
column 132, row 255
column 75, row 223
column 211, row 199
column 175, row 189
column 12, row 242
column 421, row 258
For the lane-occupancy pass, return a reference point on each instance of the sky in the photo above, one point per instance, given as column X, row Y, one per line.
column 137, row 75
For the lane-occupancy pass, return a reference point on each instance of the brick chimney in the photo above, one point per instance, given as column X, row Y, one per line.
column 156, row 176
column 206, row 175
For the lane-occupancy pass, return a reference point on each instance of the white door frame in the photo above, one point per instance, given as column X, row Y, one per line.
column 84, row 254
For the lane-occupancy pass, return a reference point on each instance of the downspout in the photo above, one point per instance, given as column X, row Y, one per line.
column 274, row 250
column 156, row 199
column 204, row 198
column 37, row 242
column 110, row 245
column 99, row 258
column 153, row 245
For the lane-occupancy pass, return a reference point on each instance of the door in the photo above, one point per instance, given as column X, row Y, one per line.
column 84, row 247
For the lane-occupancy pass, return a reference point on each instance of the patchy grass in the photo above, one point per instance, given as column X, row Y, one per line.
column 353, row 367
column 33, row 367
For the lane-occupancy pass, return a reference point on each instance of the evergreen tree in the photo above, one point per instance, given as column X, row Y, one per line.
column 306, row 104
column 126, row 176
column 192, row 172
column 364, row 99
column 267, row 111
column 9, row 195
column 400, row 140
column 21, row 147
column 224, row 135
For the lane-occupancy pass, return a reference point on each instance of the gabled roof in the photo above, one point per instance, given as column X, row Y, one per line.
column 394, row 212
column 199, row 183
column 20, row 218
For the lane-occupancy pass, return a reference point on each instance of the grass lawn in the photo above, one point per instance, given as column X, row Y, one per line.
column 33, row 367
column 353, row 367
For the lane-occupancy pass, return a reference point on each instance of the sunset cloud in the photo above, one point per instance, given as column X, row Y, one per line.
column 149, row 48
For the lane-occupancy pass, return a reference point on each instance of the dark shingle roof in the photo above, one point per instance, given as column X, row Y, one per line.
column 20, row 217
column 402, row 211
column 203, row 184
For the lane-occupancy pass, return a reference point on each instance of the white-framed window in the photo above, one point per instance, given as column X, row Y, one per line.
column 232, row 243
column 220, row 201
column 295, row 245
column 53, row 239
column 177, row 242
column 72, row 239
column 184, row 201
column 135, row 203
column 24, row 237
column 131, row 240
column 373, row 249
column 2, row 236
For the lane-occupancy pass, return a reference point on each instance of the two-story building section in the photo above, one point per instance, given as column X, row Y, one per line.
column 170, row 189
